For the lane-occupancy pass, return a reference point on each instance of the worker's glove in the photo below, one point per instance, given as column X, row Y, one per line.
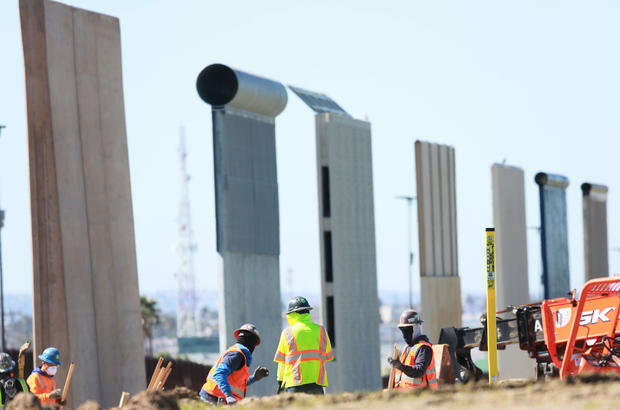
column 231, row 400
column 56, row 394
column 395, row 363
column 260, row 373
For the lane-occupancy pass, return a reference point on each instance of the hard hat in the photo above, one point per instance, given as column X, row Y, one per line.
column 409, row 318
column 6, row 363
column 298, row 303
column 249, row 327
column 51, row 355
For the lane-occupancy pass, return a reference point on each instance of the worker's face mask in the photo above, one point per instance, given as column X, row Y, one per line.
column 52, row 370
column 411, row 333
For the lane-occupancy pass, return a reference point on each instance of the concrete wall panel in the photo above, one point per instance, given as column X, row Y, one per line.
column 511, row 258
column 344, row 147
column 436, row 197
column 82, row 200
column 441, row 304
column 595, row 231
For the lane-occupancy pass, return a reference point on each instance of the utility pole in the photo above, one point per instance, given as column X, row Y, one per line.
column 409, row 200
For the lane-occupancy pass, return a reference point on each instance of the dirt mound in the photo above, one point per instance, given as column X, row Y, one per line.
column 152, row 401
column 90, row 405
column 24, row 401
column 180, row 393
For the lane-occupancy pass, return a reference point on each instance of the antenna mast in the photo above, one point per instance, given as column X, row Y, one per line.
column 186, row 303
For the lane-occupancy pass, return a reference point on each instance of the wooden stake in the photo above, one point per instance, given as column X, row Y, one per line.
column 393, row 370
column 21, row 358
column 124, row 399
column 160, row 375
column 65, row 390
column 155, row 373
column 163, row 381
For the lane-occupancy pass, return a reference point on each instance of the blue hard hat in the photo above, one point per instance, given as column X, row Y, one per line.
column 51, row 355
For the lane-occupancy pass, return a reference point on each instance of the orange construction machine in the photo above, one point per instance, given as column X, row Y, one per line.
column 566, row 336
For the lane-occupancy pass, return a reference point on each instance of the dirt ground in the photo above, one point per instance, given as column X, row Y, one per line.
column 587, row 392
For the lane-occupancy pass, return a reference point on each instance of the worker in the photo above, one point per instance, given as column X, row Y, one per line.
column 416, row 366
column 41, row 380
column 227, row 381
column 9, row 384
column 303, row 351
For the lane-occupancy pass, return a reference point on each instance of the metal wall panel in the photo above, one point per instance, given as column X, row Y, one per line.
column 247, row 213
column 554, row 234
column 595, row 231
column 350, row 300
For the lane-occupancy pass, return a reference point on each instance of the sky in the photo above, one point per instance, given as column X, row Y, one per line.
column 529, row 83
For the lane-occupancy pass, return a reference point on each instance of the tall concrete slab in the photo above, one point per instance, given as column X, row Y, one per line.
column 554, row 234
column 511, row 259
column 86, row 299
column 244, row 108
column 436, row 194
column 595, row 231
column 350, row 303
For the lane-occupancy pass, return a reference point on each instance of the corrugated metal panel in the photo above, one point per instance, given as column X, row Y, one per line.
column 554, row 234
column 595, row 231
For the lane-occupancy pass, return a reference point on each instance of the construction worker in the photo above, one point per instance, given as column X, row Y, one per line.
column 9, row 384
column 303, row 351
column 227, row 381
column 416, row 365
column 41, row 380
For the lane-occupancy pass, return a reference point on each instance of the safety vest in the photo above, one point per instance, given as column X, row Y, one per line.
column 10, row 388
column 303, row 351
column 41, row 386
column 429, row 379
column 238, row 379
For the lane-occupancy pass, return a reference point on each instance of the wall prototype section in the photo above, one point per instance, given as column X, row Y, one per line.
column 350, row 303
column 511, row 259
column 595, row 231
column 436, row 195
column 86, row 299
column 554, row 234
column 244, row 108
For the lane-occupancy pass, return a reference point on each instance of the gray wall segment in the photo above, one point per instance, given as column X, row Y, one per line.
column 246, row 182
column 344, row 146
column 82, row 200
column 511, row 258
column 554, row 234
column 595, row 231
column 436, row 197
column 247, row 215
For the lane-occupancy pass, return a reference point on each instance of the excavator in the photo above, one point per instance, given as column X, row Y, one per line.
column 565, row 336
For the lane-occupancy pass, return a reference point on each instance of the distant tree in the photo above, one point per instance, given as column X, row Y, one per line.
column 150, row 318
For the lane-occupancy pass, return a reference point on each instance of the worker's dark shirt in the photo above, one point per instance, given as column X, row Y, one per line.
column 422, row 359
column 234, row 360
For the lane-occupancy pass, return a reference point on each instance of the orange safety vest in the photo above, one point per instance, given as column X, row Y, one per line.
column 238, row 379
column 429, row 379
column 41, row 386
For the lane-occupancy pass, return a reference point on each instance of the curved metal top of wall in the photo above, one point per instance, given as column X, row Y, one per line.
column 220, row 85
column 554, row 180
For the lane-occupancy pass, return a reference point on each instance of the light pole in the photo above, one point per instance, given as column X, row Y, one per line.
column 409, row 200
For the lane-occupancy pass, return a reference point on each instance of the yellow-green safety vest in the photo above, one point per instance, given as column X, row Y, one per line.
column 303, row 351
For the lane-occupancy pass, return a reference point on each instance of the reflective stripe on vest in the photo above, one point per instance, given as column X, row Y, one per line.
column 295, row 356
column 40, row 380
column 429, row 379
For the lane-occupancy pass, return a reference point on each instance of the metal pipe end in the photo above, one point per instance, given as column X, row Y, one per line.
column 217, row 84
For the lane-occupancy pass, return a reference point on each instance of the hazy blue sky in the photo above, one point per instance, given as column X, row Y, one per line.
column 533, row 83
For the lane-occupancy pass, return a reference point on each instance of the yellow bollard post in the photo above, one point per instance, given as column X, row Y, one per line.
column 491, row 319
